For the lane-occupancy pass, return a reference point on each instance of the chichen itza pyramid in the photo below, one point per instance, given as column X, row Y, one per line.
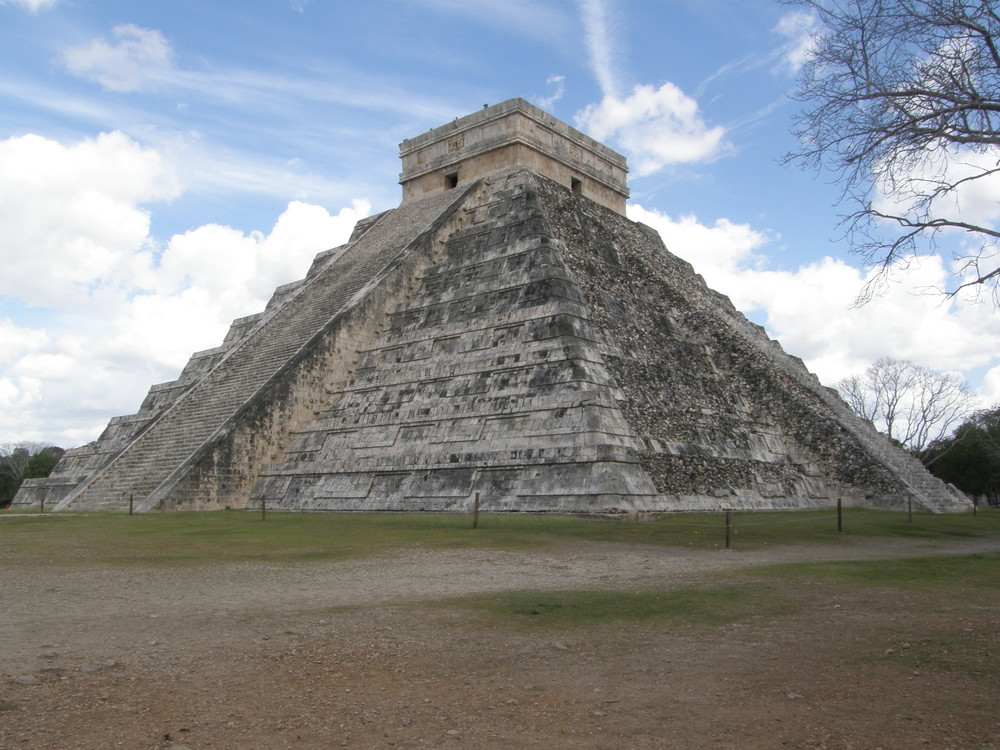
column 506, row 331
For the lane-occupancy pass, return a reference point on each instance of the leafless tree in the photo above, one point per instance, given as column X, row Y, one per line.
column 14, row 458
column 911, row 404
column 901, row 100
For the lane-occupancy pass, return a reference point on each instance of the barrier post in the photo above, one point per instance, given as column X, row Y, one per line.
column 729, row 530
column 840, row 517
column 475, row 512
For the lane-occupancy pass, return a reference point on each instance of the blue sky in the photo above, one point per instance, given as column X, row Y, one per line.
column 165, row 165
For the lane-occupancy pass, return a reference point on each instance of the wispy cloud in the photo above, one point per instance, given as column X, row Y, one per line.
column 137, row 59
column 600, row 50
column 557, row 87
column 32, row 5
column 131, row 62
column 795, row 31
column 657, row 126
column 798, row 29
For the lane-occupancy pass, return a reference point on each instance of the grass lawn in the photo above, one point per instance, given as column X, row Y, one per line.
column 242, row 536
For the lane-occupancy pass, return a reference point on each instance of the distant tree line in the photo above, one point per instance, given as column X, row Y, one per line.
column 969, row 458
column 931, row 415
column 25, row 460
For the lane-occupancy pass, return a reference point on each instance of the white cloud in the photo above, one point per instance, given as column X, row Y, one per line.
column 16, row 342
column 121, row 313
column 62, row 386
column 657, row 127
column 974, row 201
column 717, row 252
column 990, row 389
column 976, row 198
column 238, row 271
column 72, row 215
column 797, row 27
column 809, row 309
column 131, row 63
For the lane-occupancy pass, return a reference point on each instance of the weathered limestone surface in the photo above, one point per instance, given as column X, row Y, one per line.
column 187, row 433
column 510, row 336
column 487, row 378
column 509, row 135
column 728, row 420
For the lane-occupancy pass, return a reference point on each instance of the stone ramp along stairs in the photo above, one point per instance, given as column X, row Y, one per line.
column 513, row 339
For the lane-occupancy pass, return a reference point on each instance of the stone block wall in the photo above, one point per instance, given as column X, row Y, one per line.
column 728, row 419
column 486, row 379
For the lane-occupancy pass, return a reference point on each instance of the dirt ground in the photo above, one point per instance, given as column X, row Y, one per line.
column 366, row 654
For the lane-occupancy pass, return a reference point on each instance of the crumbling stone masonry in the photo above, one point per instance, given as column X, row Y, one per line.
column 506, row 331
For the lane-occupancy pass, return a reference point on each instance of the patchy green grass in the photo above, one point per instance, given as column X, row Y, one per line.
column 927, row 615
column 223, row 536
column 967, row 651
column 759, row 592
column 236, row 536
column 948, row 607
column 954, row 572
column 761, row 529
column 712, row 606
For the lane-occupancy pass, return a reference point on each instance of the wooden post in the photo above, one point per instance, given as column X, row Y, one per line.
column 41, row 505
column 840, row 517
column 975, row 502
column 909, row 509
column 475, row 512
column 263, row 509
column 131, row 503
column 729, row 531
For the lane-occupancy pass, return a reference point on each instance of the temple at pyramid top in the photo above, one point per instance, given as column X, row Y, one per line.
column 512, row 134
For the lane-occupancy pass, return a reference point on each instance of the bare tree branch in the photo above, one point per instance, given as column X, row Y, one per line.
column 901, row 101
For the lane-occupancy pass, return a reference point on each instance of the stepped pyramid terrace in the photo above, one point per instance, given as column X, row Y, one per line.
column 507, row 332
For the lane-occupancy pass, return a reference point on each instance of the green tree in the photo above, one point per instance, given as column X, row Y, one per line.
column 970, row 457
column 26, row 460
column 42, row 463
column 901, row 101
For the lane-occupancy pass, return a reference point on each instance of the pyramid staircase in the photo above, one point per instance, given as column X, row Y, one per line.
column 171, row 444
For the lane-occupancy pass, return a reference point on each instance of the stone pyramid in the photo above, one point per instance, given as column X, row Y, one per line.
column 505, row 332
